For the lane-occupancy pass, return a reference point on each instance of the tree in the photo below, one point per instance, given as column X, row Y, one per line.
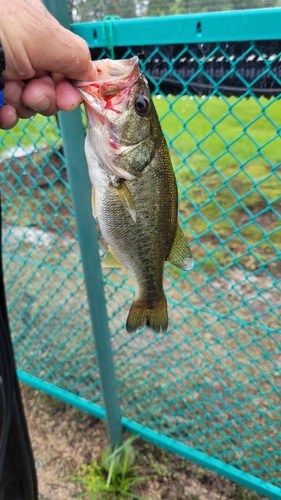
column 95, row 10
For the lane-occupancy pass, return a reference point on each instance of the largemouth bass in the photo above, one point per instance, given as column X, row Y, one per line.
column 135, row 197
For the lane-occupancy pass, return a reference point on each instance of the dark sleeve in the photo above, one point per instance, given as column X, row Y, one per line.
column 17, row 470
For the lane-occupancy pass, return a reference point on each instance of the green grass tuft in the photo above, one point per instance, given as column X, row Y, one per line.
column 115, row 478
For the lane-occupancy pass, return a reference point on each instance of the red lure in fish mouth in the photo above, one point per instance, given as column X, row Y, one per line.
column 112, row 88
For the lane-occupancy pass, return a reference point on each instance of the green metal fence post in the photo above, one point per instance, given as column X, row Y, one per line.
column 73, row 143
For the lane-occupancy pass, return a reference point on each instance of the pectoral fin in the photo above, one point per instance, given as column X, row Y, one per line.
column 127, row 199
column 110, row 259
column 117, row 171
column 94, row 207
column 180, row 253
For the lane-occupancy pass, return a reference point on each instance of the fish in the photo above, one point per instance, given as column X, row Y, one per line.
column 134, row 190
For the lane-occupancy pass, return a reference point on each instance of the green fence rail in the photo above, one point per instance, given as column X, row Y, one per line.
column 209, row 389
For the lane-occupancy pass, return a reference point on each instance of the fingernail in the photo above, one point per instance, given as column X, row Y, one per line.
column 8, row 126
column 41, row 104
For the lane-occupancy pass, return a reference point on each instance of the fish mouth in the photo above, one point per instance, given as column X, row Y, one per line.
column 113, row 76
column 104, row 99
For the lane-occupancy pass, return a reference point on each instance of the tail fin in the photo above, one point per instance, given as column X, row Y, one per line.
column 143, row 313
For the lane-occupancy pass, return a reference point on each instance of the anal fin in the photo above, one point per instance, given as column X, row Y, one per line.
column 180, row 254
column 110, row 259
column 127, row 199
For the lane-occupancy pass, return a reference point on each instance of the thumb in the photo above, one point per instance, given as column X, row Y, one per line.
column 67, row 54
column 60, row 51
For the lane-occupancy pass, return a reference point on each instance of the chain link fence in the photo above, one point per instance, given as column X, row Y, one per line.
column 212, row 382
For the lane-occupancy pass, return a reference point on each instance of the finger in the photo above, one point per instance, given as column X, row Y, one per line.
column 73, row 60
column 13, row 96
column 67, row 97
column 24, row 112
column 8, row 117
column 57, row 77
column 41, row 44
column 13, row 92
column 40, row 95
column 39, row 74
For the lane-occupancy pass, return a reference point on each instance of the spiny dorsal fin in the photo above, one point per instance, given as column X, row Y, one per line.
column 127, row 199
column 180, row 253
column 94, row 207
column 110, row 259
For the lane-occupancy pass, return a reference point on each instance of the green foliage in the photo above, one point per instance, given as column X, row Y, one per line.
column 95, row 10
column 115, row 478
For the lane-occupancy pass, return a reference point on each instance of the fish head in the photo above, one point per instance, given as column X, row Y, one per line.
column 121, row 117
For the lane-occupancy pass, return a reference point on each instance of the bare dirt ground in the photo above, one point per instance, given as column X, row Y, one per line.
column 63, row 438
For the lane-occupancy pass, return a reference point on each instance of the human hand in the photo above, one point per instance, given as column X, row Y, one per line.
column 41, row 57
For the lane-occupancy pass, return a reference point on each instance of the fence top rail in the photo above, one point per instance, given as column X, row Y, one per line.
column 234, row 26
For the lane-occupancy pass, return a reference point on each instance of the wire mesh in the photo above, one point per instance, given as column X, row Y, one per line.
column 49, row 315
column 213, row 380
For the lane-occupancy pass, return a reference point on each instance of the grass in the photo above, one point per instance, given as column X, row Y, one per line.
column 39, row 132
column 115, row 478
column 230, row 185
column 223, row 132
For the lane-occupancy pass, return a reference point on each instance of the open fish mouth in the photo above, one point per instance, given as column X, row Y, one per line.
column 105, row 98
column 113, row 77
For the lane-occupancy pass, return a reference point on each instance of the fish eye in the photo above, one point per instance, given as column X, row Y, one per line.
column 141, row 105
